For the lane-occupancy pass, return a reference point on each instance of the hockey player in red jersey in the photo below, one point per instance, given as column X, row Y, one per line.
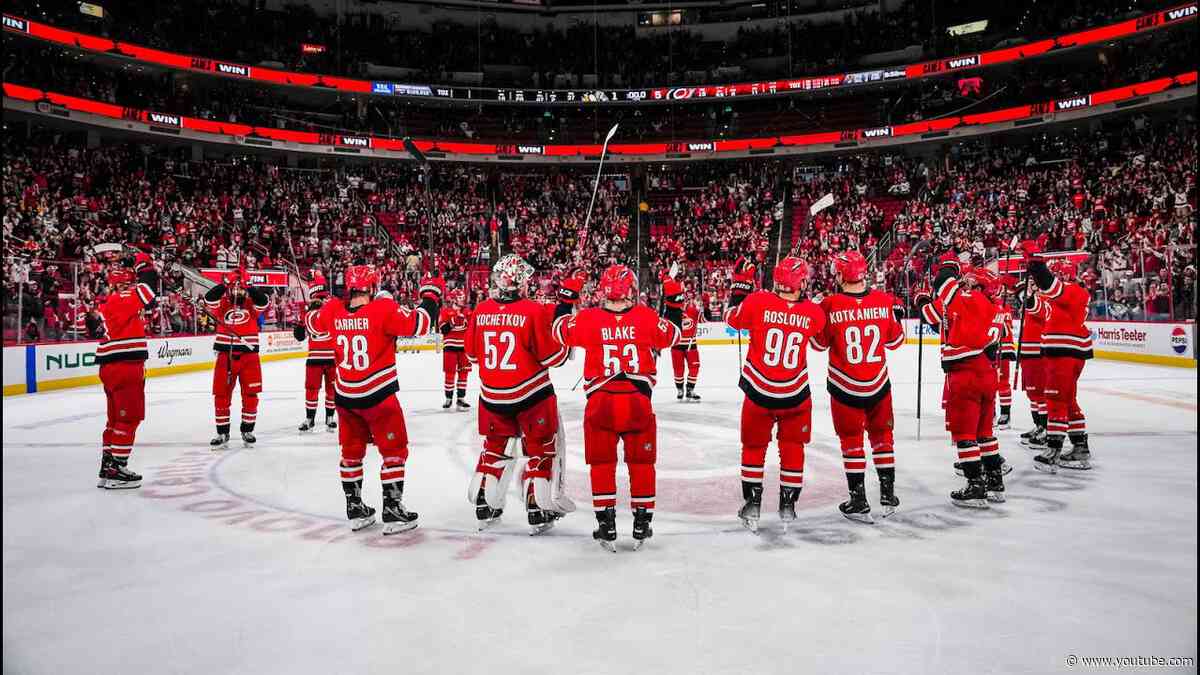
column 509, row 337
column 452, row 324
column 970, row 347
column 364, row 330
column 774, row 379
column 997, row 291
column 685, row 357
column 319, row 365
column 860, row 325
column 1031, row 364
column 621, row 341
column 122, row 355
column 235, row 305
column 1066, row 346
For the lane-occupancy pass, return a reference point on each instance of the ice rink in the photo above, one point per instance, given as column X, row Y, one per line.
column 241, row 562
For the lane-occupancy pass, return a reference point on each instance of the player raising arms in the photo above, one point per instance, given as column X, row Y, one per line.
column 1032, row 365
column 235, row 304
column 774, row 379
column 860, row 326
column 997, row 290
column 621, row 341
column 319, row 364
column 1066, row 346
column 122, row 355
column 970, row 347
column 452, row 324
column 509, row 337
column 685, row 357
column 364, row 330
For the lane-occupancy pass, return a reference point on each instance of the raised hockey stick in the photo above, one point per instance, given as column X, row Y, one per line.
column 817, row 207
column 920, row 363
column 587, row 221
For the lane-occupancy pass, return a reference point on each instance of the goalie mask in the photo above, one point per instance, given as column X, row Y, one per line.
column 511, row 275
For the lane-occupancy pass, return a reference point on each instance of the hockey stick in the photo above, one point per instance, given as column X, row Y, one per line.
column 920, row 363
column 817, row 207
column 587, row 222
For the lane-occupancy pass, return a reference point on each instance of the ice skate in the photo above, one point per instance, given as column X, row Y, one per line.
column 787, row 505
column 114, row 475
column 887, row 495
column 540, row 520
column 856, row 508
column 1047, row 461
column 359, row 514
column 606, row 529
column 1005, row 468
column 448, row 402
column 1003, row 421
column 395, row 518
column 308, row 424
column 692, row 396
column 641, row 527
column 331, row 423
column 462, row 405
column 994, row 485
column 973, row 496
column 1036, row 439
column 219, row 442
column 751, row 511
column 248, row 439
column 1080, row 456
column 679, row 392
column 485, row 515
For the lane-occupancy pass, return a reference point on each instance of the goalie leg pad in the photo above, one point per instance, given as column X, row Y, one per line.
column 493, row 472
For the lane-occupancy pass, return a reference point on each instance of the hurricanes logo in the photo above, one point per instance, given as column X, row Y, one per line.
column 236, row 316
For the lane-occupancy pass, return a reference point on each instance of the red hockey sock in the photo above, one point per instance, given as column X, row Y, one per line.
column 604, row 486
column 641, row 486
column 791, row 465
column 753, row 458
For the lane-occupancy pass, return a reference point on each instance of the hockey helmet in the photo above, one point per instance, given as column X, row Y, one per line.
column 119, row 275
column 850, row 266
column 790, row 275
column 361, row 278
column 1063, row 268
column 618, row 282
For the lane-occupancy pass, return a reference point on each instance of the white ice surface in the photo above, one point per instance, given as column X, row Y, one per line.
column 255, row 571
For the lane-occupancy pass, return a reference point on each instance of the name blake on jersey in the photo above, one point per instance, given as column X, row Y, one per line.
column 618, row 333
column 353, row 323
column 860, row 314
column 505, row 320
column 787, row 319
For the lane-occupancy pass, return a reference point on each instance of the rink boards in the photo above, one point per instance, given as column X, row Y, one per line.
column 32, row 368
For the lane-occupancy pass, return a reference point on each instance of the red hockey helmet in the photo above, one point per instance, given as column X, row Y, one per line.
column 1063, row 268
column 851, row 266
column 790, row 274
column 119, row 275
column 361, row 278
column 618, row 283
column 318, row 288
column 986, row 280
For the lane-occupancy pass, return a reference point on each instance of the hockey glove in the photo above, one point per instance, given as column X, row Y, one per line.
column 569, row 290
column 672, row 293
column 433, row 287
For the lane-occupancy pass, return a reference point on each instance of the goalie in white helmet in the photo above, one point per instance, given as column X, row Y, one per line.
column 509, row 338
